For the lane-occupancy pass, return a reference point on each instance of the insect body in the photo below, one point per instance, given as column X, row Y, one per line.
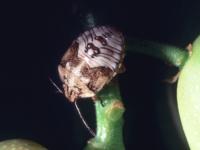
column 92, row 60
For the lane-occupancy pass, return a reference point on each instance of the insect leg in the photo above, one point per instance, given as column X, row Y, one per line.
column 55, row 85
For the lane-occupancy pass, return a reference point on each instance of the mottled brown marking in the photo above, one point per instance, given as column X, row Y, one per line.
column 99, row 77
column 71, row 56
column 86, row 71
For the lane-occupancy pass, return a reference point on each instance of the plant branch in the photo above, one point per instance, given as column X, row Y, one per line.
column 109, row 118
column 169, row 54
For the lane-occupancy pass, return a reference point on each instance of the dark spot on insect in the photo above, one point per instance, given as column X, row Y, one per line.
column 70, row 92
column 89, row 45
column 107, row 34
column 65, row 78
column 101, row 39
column 85, row 71
column 95, row 49
column 75, row 45
column 63, row 63
column 96, row 52
column 92, row 87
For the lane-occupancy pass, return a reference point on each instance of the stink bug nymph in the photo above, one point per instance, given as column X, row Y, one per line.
column 91, row 61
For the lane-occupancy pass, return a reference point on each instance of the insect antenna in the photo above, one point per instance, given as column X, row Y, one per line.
column 55, row 85
column 77, row 108
column 83, row 120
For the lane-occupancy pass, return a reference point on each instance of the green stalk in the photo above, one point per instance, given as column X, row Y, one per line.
column 109, row 119
column 188, row 95
column 170, row 54
column 188, row 90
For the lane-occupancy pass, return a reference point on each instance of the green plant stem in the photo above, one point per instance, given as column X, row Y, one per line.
column 109, row 118
column 169, row 54
column 188, row 95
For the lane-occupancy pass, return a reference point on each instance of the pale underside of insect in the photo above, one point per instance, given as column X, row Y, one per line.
column 92, row 60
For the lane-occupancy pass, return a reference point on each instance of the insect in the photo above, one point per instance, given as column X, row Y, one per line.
column 91, row 62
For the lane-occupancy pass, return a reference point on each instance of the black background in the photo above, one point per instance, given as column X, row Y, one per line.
column 36, row 34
